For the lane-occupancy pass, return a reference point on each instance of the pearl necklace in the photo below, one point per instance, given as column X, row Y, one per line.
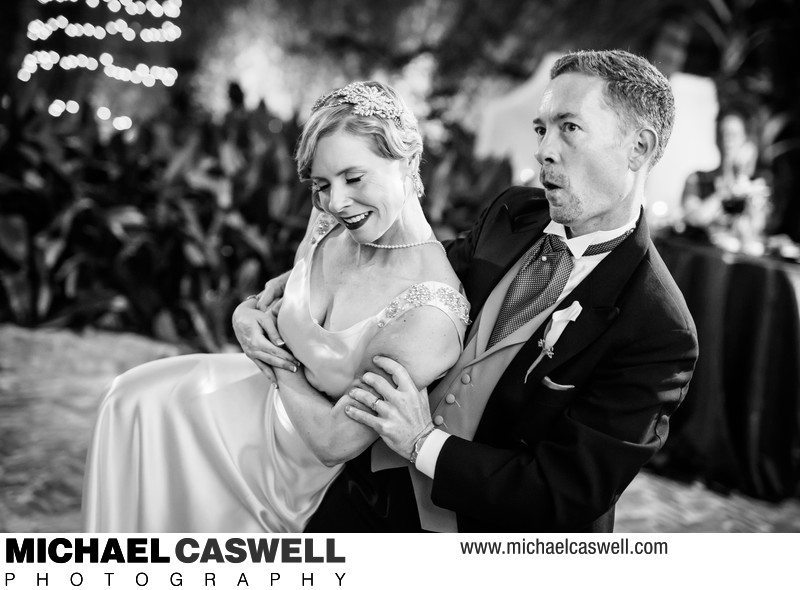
column 397, row 246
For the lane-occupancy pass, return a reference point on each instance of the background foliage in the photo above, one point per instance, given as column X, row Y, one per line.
column 166, row 230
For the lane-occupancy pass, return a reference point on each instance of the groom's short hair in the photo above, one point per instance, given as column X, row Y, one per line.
column 634, row 88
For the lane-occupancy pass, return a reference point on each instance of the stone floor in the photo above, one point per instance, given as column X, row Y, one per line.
column 50, row 382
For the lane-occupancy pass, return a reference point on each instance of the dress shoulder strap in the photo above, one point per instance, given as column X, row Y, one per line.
column 435, row 294
column 324, row 223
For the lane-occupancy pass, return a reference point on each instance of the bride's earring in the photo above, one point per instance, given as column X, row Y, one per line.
column 419, row 188
column 416, row 179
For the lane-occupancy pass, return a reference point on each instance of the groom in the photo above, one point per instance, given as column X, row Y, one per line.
column 581, row 345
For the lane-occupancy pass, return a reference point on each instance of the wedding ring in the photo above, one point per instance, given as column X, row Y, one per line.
column 375, row 404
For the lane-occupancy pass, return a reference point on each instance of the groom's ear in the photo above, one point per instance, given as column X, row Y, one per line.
column 643, row 147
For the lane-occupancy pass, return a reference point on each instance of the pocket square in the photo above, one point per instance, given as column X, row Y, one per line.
column 550, row 384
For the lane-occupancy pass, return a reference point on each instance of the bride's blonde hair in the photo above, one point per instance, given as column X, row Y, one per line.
column 372, row 110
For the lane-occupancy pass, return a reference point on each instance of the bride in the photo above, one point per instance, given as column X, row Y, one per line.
column 215, row 443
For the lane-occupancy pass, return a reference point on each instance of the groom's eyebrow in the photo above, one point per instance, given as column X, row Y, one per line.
column 558, row 117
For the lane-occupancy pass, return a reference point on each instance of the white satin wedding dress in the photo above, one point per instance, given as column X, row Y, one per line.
column 202, row 442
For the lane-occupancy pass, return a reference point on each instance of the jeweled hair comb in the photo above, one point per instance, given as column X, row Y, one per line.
column 367, row 101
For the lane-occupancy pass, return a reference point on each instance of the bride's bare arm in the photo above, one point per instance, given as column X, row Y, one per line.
column 424, row 340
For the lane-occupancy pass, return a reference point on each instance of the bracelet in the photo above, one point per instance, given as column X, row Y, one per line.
column 416, row 446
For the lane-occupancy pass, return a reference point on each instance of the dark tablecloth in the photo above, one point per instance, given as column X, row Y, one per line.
column 739, row 426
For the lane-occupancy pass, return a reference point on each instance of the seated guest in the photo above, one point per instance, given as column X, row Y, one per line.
column 707, row 196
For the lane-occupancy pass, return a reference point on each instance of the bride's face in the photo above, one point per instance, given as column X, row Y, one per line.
column 364, row 191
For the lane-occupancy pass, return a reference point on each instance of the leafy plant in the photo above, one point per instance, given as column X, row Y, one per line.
column 118, row 236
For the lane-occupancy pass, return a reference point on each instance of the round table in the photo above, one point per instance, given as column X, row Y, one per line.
column 739, row 426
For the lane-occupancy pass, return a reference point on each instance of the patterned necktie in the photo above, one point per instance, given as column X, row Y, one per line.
column 540, row 281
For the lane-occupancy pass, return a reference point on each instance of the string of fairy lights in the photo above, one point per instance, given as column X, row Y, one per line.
column 146, row 75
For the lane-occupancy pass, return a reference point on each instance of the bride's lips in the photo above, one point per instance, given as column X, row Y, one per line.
column 355, row 221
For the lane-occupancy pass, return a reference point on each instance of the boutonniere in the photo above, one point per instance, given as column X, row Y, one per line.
column 552, row 332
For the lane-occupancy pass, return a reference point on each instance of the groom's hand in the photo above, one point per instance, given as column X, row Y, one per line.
column 399, row 411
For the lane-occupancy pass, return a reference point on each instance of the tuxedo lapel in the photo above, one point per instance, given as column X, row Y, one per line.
column 517, row 226
column 598, row 294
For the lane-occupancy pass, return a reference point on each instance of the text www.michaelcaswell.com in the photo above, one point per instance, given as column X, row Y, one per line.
column 564, row 547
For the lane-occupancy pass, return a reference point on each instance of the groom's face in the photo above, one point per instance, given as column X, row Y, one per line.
column 584, row 149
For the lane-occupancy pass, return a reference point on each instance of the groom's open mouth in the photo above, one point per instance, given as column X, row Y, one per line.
column 355, row 221
column 548, row 184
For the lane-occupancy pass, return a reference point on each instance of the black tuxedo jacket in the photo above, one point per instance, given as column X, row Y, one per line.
column 544, row 459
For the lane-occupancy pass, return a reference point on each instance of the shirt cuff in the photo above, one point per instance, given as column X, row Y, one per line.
column 429, row 452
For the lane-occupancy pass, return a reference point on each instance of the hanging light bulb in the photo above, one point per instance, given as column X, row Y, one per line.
column 122, row 123
column 56, row 108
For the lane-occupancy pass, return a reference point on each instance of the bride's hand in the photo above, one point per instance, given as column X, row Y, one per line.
column 272, row 292
column 257, row 332
column 258, row 336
